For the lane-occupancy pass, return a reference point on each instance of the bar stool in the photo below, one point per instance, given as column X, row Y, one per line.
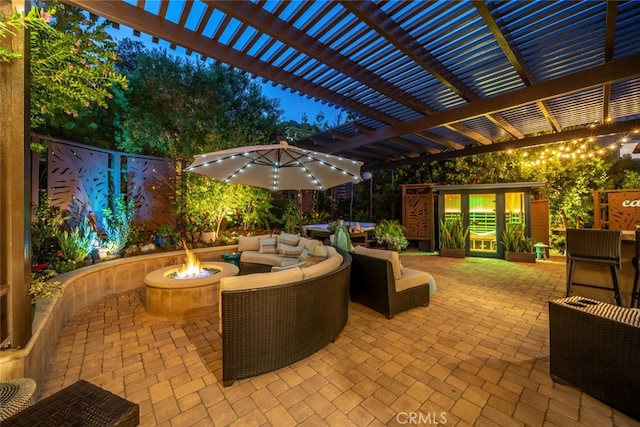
column 635, row 293
column 599, row 247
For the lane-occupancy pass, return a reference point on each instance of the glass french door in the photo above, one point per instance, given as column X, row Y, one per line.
column 482, row 223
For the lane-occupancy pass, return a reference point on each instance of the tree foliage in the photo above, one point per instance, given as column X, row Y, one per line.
column 72, row 66
column 178, row 108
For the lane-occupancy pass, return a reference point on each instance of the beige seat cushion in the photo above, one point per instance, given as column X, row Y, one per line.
column 384, row 254
column 274, row 260
column 412, row 278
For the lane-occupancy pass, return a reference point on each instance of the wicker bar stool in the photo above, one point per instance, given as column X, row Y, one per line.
column 15, row 395
column 635, row 293
column 599, row 247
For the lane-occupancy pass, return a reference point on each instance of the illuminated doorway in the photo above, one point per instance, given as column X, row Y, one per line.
column 482, row 223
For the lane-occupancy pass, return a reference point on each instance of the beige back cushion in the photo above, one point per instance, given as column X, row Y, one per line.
column 383, row 254
column 250, row 243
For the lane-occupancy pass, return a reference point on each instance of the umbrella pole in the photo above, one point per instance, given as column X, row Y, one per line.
column 299, row 199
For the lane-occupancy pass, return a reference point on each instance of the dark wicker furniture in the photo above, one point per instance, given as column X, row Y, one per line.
column 599, row 247
column 595, row 347
column 266, row 328
column 80, row 404
column 635, row 292
column 15, row 396
column 373, row 285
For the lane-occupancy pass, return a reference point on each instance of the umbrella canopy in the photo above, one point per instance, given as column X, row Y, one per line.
column 277, row 167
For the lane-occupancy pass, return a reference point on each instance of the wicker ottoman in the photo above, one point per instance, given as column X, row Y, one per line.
column 80, row 404
column 595, row 347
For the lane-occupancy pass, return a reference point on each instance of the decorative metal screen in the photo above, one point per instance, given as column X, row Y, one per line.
column 624, row 210
column 78, row 179
column 152, row 182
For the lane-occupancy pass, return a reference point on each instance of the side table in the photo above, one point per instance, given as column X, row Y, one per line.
column 232, row 257
column 15, row 395
column 80, row 404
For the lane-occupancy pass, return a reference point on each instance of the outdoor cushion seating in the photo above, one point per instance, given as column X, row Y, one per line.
column 278, row 250
column 379, row 281
column 270, row 320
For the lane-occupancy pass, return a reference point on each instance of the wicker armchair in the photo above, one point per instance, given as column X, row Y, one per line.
column 375, row 284
column 599, row 247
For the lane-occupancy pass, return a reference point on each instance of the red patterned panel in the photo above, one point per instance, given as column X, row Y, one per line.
column 624, row 210
column 77, row 179
column 418, row 215
column 152, row 182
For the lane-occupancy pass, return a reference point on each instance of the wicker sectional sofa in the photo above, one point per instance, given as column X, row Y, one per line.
column 269, row 320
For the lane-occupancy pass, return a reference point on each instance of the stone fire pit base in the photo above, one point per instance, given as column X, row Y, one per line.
column 180, row 298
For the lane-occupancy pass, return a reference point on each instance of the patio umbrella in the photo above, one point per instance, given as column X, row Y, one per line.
column 277, row 167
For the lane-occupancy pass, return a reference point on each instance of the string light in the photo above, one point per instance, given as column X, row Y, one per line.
column 574, row 150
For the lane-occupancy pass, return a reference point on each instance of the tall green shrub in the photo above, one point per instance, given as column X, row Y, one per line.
column 76, row 244
column 117, row 223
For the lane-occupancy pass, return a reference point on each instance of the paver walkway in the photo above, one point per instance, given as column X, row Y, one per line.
column 478, row 355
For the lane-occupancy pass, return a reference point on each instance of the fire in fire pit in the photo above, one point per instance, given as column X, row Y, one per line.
column 191, row 268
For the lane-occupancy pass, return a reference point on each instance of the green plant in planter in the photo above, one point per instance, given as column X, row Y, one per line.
column 118, row 224
column 164, row 235
column 514, row 240
column 43, row 287
column 453, row 235
column 391, row 234
column 76, row 244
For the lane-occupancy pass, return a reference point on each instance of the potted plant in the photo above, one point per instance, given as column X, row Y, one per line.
column 391, row 234
column 517, row 247
column 453, row 237
column 163, row 235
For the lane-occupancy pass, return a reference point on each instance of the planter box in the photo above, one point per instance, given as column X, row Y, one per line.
column 452, row 252
column 520, row 256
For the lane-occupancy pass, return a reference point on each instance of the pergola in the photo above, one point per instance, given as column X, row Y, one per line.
column 425, row 81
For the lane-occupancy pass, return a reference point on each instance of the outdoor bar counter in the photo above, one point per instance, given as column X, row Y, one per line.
column 601, row 275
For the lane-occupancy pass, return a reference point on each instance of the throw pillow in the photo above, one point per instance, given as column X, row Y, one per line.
column 289, row 250
column 267, row 245
column 288, row 239
column 320, row 251
column 303, row 255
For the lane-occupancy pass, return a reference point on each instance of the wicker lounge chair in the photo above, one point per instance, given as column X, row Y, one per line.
column 379, row 282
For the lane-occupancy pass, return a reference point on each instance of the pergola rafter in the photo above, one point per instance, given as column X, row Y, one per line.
column 426, row 78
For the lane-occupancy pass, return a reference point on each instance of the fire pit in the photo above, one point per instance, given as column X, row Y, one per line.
column 186, row 290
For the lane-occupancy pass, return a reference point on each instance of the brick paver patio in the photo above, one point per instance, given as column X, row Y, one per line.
column 478, row 355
